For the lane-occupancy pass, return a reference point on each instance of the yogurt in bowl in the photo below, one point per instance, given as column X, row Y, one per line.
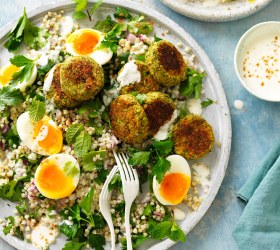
column 257, row 61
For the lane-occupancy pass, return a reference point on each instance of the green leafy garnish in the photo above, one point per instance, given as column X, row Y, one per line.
column 72, row 245
column 139, row 57
column 160, row 168
column 10, row 96
column 163, row 147
column 105, row 25
column 140, row 158
column 11, row 222
column 72, row 132
column 122, row 13
column 37, row 110
column 87, row 160
column 34, row 37
column 156, row 38
column 86, row 202
column 70, row 169
column 138, row 26
column 43, row 70
column 82, row 143
column 12, row 190
column 27, row 68
column 82, row 11
column 168, row 229
column 148, row 210
column 69, row 230
column 193, row 84
column 141, row 98
column 96, row 241
column 207, row 103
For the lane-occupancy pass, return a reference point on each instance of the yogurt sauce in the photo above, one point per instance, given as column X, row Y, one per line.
column 129, row 74
column 261, row 65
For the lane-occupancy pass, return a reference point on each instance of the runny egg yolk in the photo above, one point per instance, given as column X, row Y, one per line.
column 174, row 187
column 6, row 73
column 85, row 42
column 52, row 140
column 53, row 182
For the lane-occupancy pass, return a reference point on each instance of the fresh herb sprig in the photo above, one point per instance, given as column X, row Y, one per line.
column 33, row 36
column 10, row 96
column 37, row 110
column 82, row 10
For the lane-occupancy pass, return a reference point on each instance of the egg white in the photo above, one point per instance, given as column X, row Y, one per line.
column 25, row 129
column 101, row 56
column 178, row 165
column 60, row 161
column 23, row 85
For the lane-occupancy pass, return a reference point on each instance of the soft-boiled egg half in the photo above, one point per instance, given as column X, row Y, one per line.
column 57, row 176
column 42, row 137
column 6, row 75
column 85, row 42
column 175, row 183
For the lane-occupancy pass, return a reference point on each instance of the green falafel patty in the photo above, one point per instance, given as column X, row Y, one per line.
column 147, row 83
column 193, row 137
column 81, row 77
column 159, row 108
column 56, row 94
column 166, row 63
column 128, row 119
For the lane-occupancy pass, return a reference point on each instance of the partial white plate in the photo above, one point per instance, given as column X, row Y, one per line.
column 222, row 12
column 217, row 114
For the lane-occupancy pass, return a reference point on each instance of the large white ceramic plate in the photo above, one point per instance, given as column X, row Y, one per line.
column 234, row 10
column 217, row 115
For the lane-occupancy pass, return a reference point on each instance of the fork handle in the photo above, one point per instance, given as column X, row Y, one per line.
column 113, row 240
column 127, row 226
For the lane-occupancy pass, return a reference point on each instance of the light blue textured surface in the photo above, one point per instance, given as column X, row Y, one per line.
column 255, row 128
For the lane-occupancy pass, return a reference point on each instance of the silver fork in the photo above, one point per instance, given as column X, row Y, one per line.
column 105, row 207
column 130, row 182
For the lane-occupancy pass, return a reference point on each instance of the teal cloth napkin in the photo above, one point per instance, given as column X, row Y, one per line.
column 259, row 225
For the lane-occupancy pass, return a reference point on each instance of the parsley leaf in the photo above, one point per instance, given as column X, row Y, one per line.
column 122, row 13
column 72, row 245
column 37, row 110
column 85, row 204
column 12, row 190
column 207, row 103
column 69, row 230
column 163, row 147
column 96, row 241
column 72, row 132
column 160, row 168
column 10, row 97
column 81, row 5
column 70, row 169
column 82, row 143
column 32, row 36
column 193, row 84
column 139, row 158
column 11, row 222
column 27, row 68
column 105, row 25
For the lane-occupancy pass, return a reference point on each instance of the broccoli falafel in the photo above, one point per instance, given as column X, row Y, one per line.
column 81, row 77
column 166, row 63
column 193, row 137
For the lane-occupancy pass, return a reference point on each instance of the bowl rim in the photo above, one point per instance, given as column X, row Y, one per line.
column 237, row 56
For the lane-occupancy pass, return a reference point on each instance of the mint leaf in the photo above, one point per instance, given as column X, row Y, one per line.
column 176, row 233
column 70, row 169
column 160, row 168
column 163, row 147
column 10, row 97
column 82, row 144
column 85, row 204
column 140, row 158
column 161, row 230
column 193, row 84
column 207, row 103
column 96, row 241
column 105, row 25
column 37, row 110
column 95, row 6
column 72, row 132
column 74, row 245
column 80, row 4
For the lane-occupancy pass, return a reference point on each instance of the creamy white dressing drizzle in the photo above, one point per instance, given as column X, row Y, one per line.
column 194, row 106
column 49, row 79
column 201, row 173
column 129, row 74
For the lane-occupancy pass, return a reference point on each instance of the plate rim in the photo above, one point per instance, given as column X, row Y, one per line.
column 225, row 144
column 211, row 14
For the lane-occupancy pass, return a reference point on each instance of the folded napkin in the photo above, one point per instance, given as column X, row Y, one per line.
column 259, row 225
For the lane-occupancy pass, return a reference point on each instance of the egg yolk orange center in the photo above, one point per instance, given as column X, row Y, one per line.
column 174, row 187
column 6, row 74
column 52, row 143
column 52, row 181
column 85, row 42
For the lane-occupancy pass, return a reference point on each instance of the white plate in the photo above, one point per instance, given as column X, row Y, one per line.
column 234, row 10
column 217, row 114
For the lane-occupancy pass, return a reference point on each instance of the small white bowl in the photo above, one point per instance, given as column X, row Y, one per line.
column 256, row 61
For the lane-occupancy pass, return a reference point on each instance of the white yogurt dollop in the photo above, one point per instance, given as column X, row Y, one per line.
column 129, row 74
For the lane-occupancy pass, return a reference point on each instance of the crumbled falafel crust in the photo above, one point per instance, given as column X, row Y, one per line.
column 166, row 63
column 56, row 94
column 128, row 119
column 81, row 77
column 193, row 137
column 147, row 83
column 159, row 109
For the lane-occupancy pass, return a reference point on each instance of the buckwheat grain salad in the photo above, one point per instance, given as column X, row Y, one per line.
column 71, row 95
